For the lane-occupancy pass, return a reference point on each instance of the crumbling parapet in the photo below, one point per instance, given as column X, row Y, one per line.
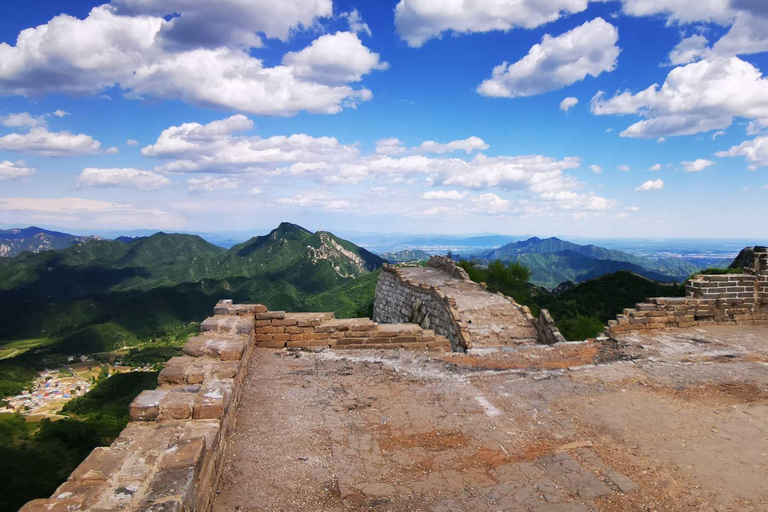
column 399, row 300
column 722, row 299
column 448, row 266
column 169, row 456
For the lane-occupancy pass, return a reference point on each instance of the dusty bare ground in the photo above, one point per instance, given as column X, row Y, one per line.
column 681, row 426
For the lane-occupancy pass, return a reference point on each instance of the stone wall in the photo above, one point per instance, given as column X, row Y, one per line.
column 547, row 330
column 169, row 456
column 727, row 299
column 278, row 329
column 448, row 266
column 400, row 301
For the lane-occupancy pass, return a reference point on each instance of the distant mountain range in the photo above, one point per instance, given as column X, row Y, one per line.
column 35, row 240
column 103, row 294
column 553, row 261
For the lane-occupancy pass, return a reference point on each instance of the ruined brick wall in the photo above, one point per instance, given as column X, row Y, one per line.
column 728, row 299
column 547, row 330
column 169, row 457
column 400, row 301
column 278, row 329
column 448, row 266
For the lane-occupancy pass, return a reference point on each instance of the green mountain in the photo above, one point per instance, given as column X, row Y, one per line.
column 406, row 255
column 553, row 261
column 35, row 240
column 581, row 311
column 107, row 295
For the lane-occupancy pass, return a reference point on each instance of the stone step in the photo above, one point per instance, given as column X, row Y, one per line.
column 196, row 370
column 218, row 347
column 193, row 401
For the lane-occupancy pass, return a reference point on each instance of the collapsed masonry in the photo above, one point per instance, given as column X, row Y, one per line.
column 169, row 457
column 442, row 297
column 728, row 299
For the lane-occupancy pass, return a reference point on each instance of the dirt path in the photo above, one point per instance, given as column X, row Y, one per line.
column 492, row 320
column 683, row 427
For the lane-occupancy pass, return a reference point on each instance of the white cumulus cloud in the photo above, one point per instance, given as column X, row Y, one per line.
column 22, row 120
column 14, row 170
column 568, row 103
column 556, row 62
column 334, row 59
column 754, row 151
column 227, row 22
column 596, row 169
column 418, row 21
column 655, row 167
column 698, row 97
column 624, row 168
column 651, row 185
column 444, row 195
column 697, row 165
column 127, row 178
column 212, row 183
column 39, row 141
column 133, row 46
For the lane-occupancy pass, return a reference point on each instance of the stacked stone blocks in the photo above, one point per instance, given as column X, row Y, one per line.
column 278, row 329
column 727, row 299
column 399, row 300
column 169, row 456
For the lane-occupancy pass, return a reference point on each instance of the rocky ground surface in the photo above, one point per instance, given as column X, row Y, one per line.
column 492, row 320
column 674, row 421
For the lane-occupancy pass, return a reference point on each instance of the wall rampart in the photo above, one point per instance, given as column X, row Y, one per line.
column 399, row 300
column 726, row 299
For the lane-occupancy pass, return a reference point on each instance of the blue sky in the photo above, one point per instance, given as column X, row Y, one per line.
column 387, row 116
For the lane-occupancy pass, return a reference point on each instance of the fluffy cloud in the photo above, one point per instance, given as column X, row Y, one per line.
column 22, row 120
column 215, row 147
column 334, row 60
column 754, row 151
column 688, row 50
column 418, row 21
column 227, row 22
column 218, row 147
column 557, row 62
column 39, row 141
column 655, row 167
column 113, row 48
column 568, row 103
column 697, row 165
column 651, row 185
column 127, row 178
column 467, row 145
column 79, row 212
column 212, row 183
column 313, row 199
column 596, row 169
column 131, row 142
column 698, row 97
column 390, row 146
column 444, row 195
column 684, row 11
column 14, row 170
column 624, row 168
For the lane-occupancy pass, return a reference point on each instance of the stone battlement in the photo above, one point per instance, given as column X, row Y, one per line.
column 727, row 299
column 443, row 298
